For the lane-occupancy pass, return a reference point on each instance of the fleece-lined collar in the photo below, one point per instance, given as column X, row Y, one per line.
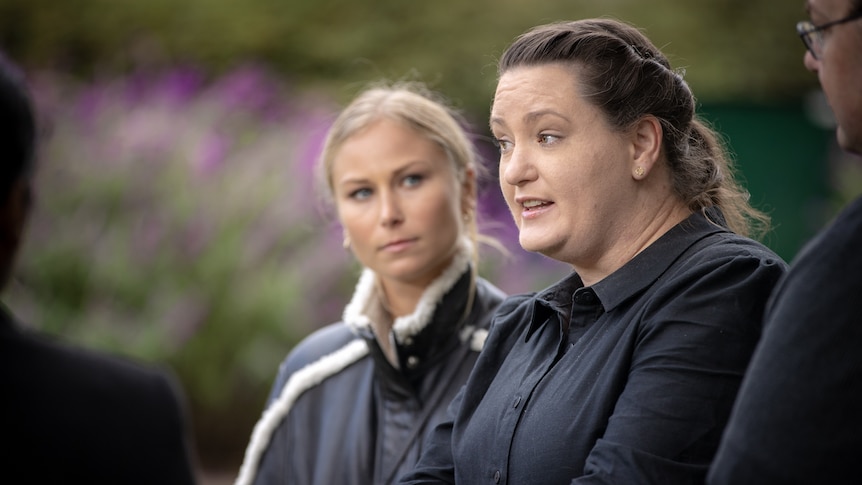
column 366, row 296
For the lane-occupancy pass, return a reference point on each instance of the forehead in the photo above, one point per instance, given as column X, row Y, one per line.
column 385, row 145
column 534, row 89
column 535, row 79
column 828, row 9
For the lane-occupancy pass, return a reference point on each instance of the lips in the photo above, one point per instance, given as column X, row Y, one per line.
column 398, row 245
column 534, row 204
column 529, row 203
column 532, row 207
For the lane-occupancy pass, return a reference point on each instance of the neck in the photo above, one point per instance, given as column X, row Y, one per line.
column 399, row 298
column 648, row 225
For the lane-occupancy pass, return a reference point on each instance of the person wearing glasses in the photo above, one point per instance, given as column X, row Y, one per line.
column 626, row 370
column 798, row 416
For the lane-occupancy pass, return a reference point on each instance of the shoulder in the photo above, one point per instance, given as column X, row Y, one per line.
column 831, row 260
column 513, row 312
column 837, row 245
column 487, row 291
column 729, row 254
column 728, row 245
column 70, row 403
column 318, row 344
column 517, row 304
column 724, row 279
column 324, row 352
column 488, row 300
column 92, row 372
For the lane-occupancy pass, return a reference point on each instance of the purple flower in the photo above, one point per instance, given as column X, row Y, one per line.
column 211, row 153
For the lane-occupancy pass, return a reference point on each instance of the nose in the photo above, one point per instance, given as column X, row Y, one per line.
column 515, row 168
column 390, row 210
column 810, row 62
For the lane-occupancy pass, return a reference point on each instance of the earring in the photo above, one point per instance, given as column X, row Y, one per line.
column 639, row 172
column 346, row 242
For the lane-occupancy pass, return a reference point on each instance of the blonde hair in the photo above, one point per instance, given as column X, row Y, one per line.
column 427, row 113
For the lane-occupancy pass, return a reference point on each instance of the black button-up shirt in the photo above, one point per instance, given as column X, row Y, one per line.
column 629, row 381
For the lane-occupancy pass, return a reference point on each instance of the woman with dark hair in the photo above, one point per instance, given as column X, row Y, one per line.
column 625, row 371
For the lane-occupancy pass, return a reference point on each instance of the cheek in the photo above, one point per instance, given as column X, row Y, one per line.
column 441, row 215
column 507, row 190
column 355, row 223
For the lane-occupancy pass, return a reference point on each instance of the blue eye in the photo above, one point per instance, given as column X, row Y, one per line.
column 360, row 194
column 413, row 180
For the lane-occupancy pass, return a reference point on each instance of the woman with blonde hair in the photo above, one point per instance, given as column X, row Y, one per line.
column 353, row 402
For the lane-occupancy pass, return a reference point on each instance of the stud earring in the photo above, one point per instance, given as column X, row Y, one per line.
column 639, row 172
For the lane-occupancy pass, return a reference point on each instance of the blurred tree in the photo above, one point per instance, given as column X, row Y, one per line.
column 732, row 49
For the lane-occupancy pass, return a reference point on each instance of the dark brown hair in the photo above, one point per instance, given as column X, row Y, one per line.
column 623, row 74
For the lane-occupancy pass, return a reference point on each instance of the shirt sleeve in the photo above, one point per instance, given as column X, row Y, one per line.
column 696, row 336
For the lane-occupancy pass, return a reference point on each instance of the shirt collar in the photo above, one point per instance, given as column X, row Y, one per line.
column 639, row 273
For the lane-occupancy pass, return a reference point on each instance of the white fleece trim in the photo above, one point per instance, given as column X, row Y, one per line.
column 302, row 380
column 408, row 325
column 478, row 340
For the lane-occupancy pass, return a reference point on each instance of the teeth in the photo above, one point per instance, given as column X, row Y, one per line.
column 533, row 203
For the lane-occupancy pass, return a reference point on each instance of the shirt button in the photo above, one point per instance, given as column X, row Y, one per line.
column 408, row 341
column 412, row 362
column 497, row 476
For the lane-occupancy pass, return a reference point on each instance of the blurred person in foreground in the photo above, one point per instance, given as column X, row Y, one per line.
column 798, row 417
column 354, row 401
column 625, row 371
column 70, row 415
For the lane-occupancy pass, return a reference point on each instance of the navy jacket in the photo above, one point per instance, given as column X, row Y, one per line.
column 340, row 413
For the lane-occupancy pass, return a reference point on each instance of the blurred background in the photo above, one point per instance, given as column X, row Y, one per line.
column 176, row 218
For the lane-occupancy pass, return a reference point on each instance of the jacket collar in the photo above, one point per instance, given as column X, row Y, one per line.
column 366, row 298
column 639, row 273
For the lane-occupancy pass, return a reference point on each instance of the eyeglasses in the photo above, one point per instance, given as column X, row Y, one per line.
column 812, row 35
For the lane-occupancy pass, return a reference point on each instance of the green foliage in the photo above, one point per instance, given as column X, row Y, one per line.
column 176, row 222
column 730, row 48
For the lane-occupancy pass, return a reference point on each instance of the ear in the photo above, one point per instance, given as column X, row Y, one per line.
column 646, row 146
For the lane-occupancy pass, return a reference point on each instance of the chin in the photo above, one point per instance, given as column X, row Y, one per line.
column 534, row 246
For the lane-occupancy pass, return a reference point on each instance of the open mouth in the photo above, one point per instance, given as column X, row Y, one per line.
column 530, row 205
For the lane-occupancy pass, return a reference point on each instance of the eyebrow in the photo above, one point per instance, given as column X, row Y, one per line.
column 532, row 116
column 407, row 167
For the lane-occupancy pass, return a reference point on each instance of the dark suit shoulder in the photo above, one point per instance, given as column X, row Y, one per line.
column 99, row 417
column 87, row 372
